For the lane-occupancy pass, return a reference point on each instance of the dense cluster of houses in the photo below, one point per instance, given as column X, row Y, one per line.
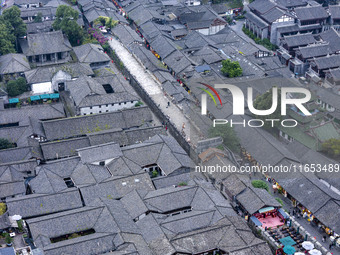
column 92, row 173
column 306, row 32
column 113, row 196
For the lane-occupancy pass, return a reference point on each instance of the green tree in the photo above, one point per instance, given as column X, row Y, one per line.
column 110, row 23
column 106, row 21
column 260, row 184
column 228, row 135
column 5, row 144
column 16, row 87
column 332, row 147
column 20, row 225
column 231, row 68
column 38, row 18
column 66, row 21
column 14, row 22
column 264, row 102
column 2, row 205
column 8, row 238
column 7, row 39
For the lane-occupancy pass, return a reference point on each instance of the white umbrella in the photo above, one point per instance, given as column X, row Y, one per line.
column 16, row 217
column 308, row 245
column 299, row 253
column 315, row 252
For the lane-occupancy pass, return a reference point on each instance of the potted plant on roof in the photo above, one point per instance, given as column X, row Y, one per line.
column 8, row 240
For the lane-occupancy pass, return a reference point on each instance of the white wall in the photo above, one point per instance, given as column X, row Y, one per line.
column 106, row 108
column 44, row 87
column 211, row 30
column 29, row 5
column 60, row 77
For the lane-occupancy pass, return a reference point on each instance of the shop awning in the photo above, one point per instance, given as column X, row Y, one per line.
column 45, row 96
column 256, row 221
column 55, row 95
column 13, row 100
column 34, row 98
column 282, row 212
column 289, row 249
column 266, row 209
column 287, row 241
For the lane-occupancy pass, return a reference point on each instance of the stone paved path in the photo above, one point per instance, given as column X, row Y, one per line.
column 153, row 88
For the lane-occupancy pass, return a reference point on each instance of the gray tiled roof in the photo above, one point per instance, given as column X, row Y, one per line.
column 36, row 205
column 99, row 152
column 163, row 46
column 208, row 55
column 169, row 199
column 96, row 243
column 45, row 74
column 50, row 176
column 19, row 2
column 332, row 61
column 45, row 43
column 140, row 15
column 147, row 58
column 332, row 37
column 17, row 171
column 311, row 13
column 163, row 153
column 253, row 199
column 134, row 204
column 47, row 182
column 150, row 30
column 83, row 87
column 304, row 190
column 48, row 11
column 330, row 219
column 197, row 40
column 17, row 154
column 10, row 189
column 292, row 3
column 314, row 50
column 98, row 218
column 222, row 235
column 63, row 148
column 125, row 137
column 18, row 134
column 177, row 61
column 126, row 34
column 167, row 181
column 256, row 20
column 116, row 188
column 261, row 6
column 90, row 53
column 13, row 63
column 234, row 185
column 39, row 27
column 81, row 125
column 40, row 112
column 273, row 15
column 334, row 11
column 299, row 40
